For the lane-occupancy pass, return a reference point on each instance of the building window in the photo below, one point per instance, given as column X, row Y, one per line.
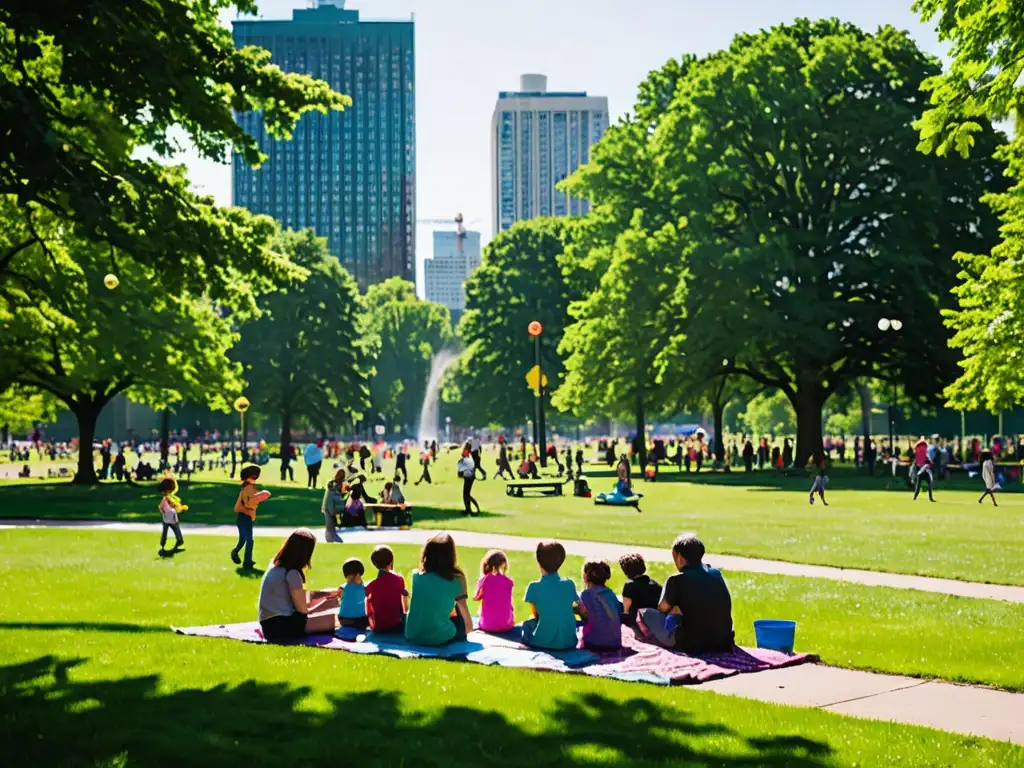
column 561, row 155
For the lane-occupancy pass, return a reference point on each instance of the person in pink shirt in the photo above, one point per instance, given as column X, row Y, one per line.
column 494, row 593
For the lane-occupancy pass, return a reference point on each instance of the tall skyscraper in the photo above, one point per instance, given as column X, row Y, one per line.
column 445, row 274
column 538, row 138
column 350, row 175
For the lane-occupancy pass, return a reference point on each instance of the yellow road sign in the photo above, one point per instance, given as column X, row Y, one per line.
column 532, row 378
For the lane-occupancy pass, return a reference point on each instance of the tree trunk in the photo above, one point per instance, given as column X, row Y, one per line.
column 286, row 431
column 807, row 403
column 86, row 415
column 865, row 419
column 165, row 438
column 641, row 432
column 718, row 416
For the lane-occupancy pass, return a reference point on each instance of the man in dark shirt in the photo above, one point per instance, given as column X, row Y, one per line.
column 694, row 614
column 641, row 591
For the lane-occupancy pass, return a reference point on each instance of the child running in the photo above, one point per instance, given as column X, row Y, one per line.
column 387, row 600
column 820, row 482
column 437, row 588
column 170, row 506
column 494, row 593
column 641, row 591
column 600, row 609
column 249, row 497
column 352, row 611
column 988, row 474
column 553, row 601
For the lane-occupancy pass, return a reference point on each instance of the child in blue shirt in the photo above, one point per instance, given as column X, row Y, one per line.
column 352, row 611
column 553, row 601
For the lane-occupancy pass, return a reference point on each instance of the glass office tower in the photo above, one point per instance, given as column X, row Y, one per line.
column 351, row 176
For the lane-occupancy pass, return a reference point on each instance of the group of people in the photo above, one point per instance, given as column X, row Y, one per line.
column 692, row 612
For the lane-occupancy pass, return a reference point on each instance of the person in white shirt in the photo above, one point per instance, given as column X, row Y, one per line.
column 467, row 471
column 988, row 474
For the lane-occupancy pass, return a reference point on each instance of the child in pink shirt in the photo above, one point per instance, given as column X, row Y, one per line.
column 494, row 592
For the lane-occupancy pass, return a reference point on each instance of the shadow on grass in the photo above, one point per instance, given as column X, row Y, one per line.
column 52, row 719
column 209, row 502
column 82, row 626
column 250, row 573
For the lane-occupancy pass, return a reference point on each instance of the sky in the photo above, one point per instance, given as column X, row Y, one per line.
column 468, row 50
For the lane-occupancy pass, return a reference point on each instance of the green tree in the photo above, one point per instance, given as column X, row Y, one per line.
column 411, row 331
column 86, row 85
column 769, row 413
column 22, row 408
column 809, row 216
column 519, row 281
column 156, row 345
column 984, row 80
column 308, row 356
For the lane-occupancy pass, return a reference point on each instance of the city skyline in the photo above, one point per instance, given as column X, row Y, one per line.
column 445, row 272
column 464, row 58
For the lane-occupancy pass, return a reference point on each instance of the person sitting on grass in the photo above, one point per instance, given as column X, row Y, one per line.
column 640, row 591
column 249, row 497
column 354, row 515
column 694, row 614
column 170, row 506
column 287, row 611
column 494, row 593
column 552, row 600
column 600, row 609
column 437, row 610
column 352, row 611
column 528, row 469
column 387, row 599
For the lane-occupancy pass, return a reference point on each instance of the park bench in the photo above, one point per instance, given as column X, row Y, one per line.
column 389, row 515
column 545, row 487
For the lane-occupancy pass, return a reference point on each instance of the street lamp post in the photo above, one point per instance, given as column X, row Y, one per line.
column 242, row 405
column 887, row 324
column 535, row 329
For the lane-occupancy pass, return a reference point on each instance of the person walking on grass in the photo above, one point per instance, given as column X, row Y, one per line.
column 400, row 458
column 474, row 452
column 467, row 471
column 923, row 465
column 820, row 482
column 314, row 459
column 170, row 506
column 988, row 474
column 425, row 462
column 249, row 497
column 503, row 462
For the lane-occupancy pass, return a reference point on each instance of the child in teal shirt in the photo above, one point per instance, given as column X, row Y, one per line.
column 352, row 611
column 553, row 601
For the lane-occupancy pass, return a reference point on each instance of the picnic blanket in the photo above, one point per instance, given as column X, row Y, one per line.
column 636, row 662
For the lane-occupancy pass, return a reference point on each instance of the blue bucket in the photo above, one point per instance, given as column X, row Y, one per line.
column 775, row 635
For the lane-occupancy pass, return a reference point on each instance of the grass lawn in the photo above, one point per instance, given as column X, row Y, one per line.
column 849, row 625
column 866, row 525
column 90, row 675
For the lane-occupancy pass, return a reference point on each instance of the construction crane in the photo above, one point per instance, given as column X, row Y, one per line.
column 457, row 221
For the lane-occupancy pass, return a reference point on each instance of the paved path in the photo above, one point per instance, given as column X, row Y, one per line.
column 961, row 709
column 417, row 536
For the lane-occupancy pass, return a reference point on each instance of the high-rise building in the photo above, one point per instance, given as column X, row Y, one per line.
column 350, row 175
column 539, row 138
column 445, row 275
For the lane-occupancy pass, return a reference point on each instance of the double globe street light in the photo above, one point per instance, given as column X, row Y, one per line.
column 885, row 325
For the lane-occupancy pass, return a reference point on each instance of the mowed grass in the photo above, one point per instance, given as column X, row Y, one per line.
column 760, row 515
column 90, row 674
column 849, row 625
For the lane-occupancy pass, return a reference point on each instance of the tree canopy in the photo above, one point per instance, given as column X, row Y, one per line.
column 519, row 281
column 410, row 332
column 809, row 218
column 308, row 356
column 84, row 87
column 985, row 80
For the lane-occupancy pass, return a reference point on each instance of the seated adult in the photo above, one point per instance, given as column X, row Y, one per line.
column 287, row 610
column 528, row 470
column 694, row 614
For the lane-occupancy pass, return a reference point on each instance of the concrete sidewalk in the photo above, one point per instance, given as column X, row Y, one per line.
column 417, row 536
column 961, row 709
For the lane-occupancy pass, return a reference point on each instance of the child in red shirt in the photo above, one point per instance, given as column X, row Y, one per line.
column 387, row 599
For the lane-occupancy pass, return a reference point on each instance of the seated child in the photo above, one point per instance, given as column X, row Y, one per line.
column 387, row 599
column 553, row 601
column 397, row 497
column 352, row 611
column 438, row 587
column 494, row 593
column 600, row 609
column 354, row 516
column 641, row 591
column 385, row 495
column 694, row 614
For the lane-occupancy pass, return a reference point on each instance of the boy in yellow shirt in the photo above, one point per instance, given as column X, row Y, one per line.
column 249, row 497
